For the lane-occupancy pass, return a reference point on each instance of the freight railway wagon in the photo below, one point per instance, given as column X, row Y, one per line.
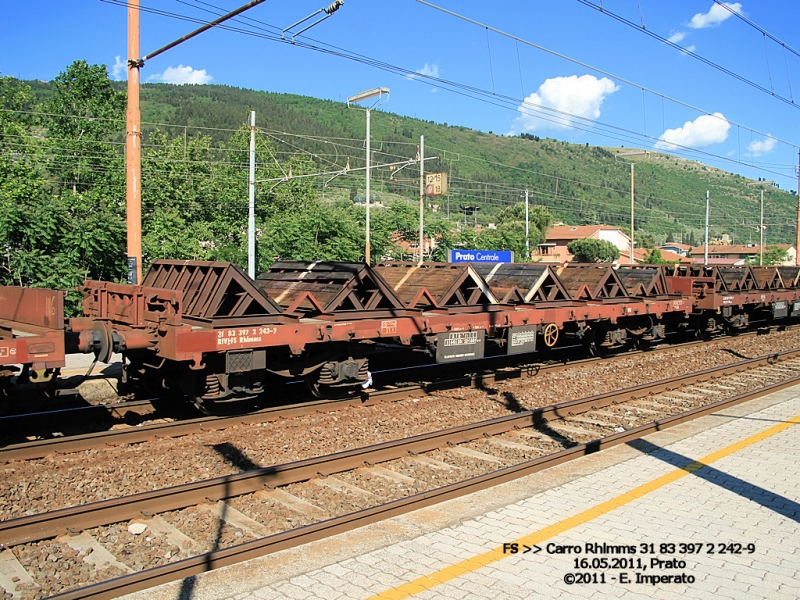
column 207, row 332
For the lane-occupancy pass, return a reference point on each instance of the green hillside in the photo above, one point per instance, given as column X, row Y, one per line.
column 63, row 184
column 579, row 184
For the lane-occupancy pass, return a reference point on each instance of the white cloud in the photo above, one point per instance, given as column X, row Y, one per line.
column 578, row 96
column 120, row 69
column 703, row 131
column 677, row 37
column 759, row 147
column 427, row 71
column 181, row 75
column 690, row 48
column 715, row 16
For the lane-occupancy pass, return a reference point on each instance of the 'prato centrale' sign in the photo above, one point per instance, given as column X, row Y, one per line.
column 481, row 256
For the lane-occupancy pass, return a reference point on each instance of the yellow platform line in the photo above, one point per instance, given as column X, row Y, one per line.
column 469, row 565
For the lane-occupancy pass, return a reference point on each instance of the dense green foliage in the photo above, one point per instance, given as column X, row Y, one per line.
column 62, row 189
column 579, row 184
column 62, row 194
column 774, row 255
column 592, row 250
column 61, row 182
column 654, row 257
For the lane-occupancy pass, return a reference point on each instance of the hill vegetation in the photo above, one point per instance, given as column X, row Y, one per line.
column 62, row 190
column 578, row 184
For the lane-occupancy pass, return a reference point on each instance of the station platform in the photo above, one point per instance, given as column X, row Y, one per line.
column 79, row 364
column 707, row 509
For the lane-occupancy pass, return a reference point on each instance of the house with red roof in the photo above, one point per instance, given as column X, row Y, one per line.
column 730, row 254
column 554, row 248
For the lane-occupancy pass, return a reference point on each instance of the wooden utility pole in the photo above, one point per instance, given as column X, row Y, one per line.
column 133, row 151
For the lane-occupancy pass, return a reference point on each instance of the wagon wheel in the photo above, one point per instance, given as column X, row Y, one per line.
column 550, row 334
column 330, row 392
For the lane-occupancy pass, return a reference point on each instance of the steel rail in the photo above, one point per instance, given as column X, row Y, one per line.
column 296, row 537
column 73, row 519
column 87, row 441
column 115, row 411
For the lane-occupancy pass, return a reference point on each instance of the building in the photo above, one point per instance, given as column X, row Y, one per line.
column 411, row 248
column 640, row 256
column 554, row 248
column 682, row 249
column 738, row 254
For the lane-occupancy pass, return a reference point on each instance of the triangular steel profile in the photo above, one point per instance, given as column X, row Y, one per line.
column 517, row 283
column 216, row 293
column 304, row 303
column 450, row 285
column 601, row 281
column 790, row 276
column 643, row 281
column 738, row 278
column 423, row 299
column 336, row 287
column 768, row 278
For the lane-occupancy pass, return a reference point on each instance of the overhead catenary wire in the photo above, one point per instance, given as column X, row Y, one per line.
column 494, row 185
column 689, row 52
column 277, row 135
column 477, row 93
column 318, row 139
column 739, row 15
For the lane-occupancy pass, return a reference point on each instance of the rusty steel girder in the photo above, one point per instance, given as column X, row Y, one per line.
column 132, row 305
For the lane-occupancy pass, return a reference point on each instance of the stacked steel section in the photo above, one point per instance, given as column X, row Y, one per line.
column 523, row 283
column 437, row 285
column 209, row 331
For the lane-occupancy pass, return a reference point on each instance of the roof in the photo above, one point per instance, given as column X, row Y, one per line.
column 719, row 261
column 576, row 232
column 738, row 249
column 640, row 255
column 672, row 256
column 686, row 247
column 725, row 249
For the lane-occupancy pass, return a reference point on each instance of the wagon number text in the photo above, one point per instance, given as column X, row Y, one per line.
column 228, row 337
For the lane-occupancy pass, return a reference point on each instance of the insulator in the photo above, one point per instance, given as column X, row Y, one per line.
column 333, row 7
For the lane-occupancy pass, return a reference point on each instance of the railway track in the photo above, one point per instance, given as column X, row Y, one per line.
column 409, row 473
column 120, row 414
column 65, row 431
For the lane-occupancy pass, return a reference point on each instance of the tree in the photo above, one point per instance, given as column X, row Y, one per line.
column 593, row 250
column 773, row 255
column 509, row 233
column 644, row 240
column 57, row 230
column 84, row 116
column 656, row 258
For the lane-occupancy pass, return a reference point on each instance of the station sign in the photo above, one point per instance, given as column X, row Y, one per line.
column 459, row 345
column 435, row 184
column 480, row 256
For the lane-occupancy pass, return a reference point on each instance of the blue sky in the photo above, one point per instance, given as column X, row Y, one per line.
column 555, row 68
